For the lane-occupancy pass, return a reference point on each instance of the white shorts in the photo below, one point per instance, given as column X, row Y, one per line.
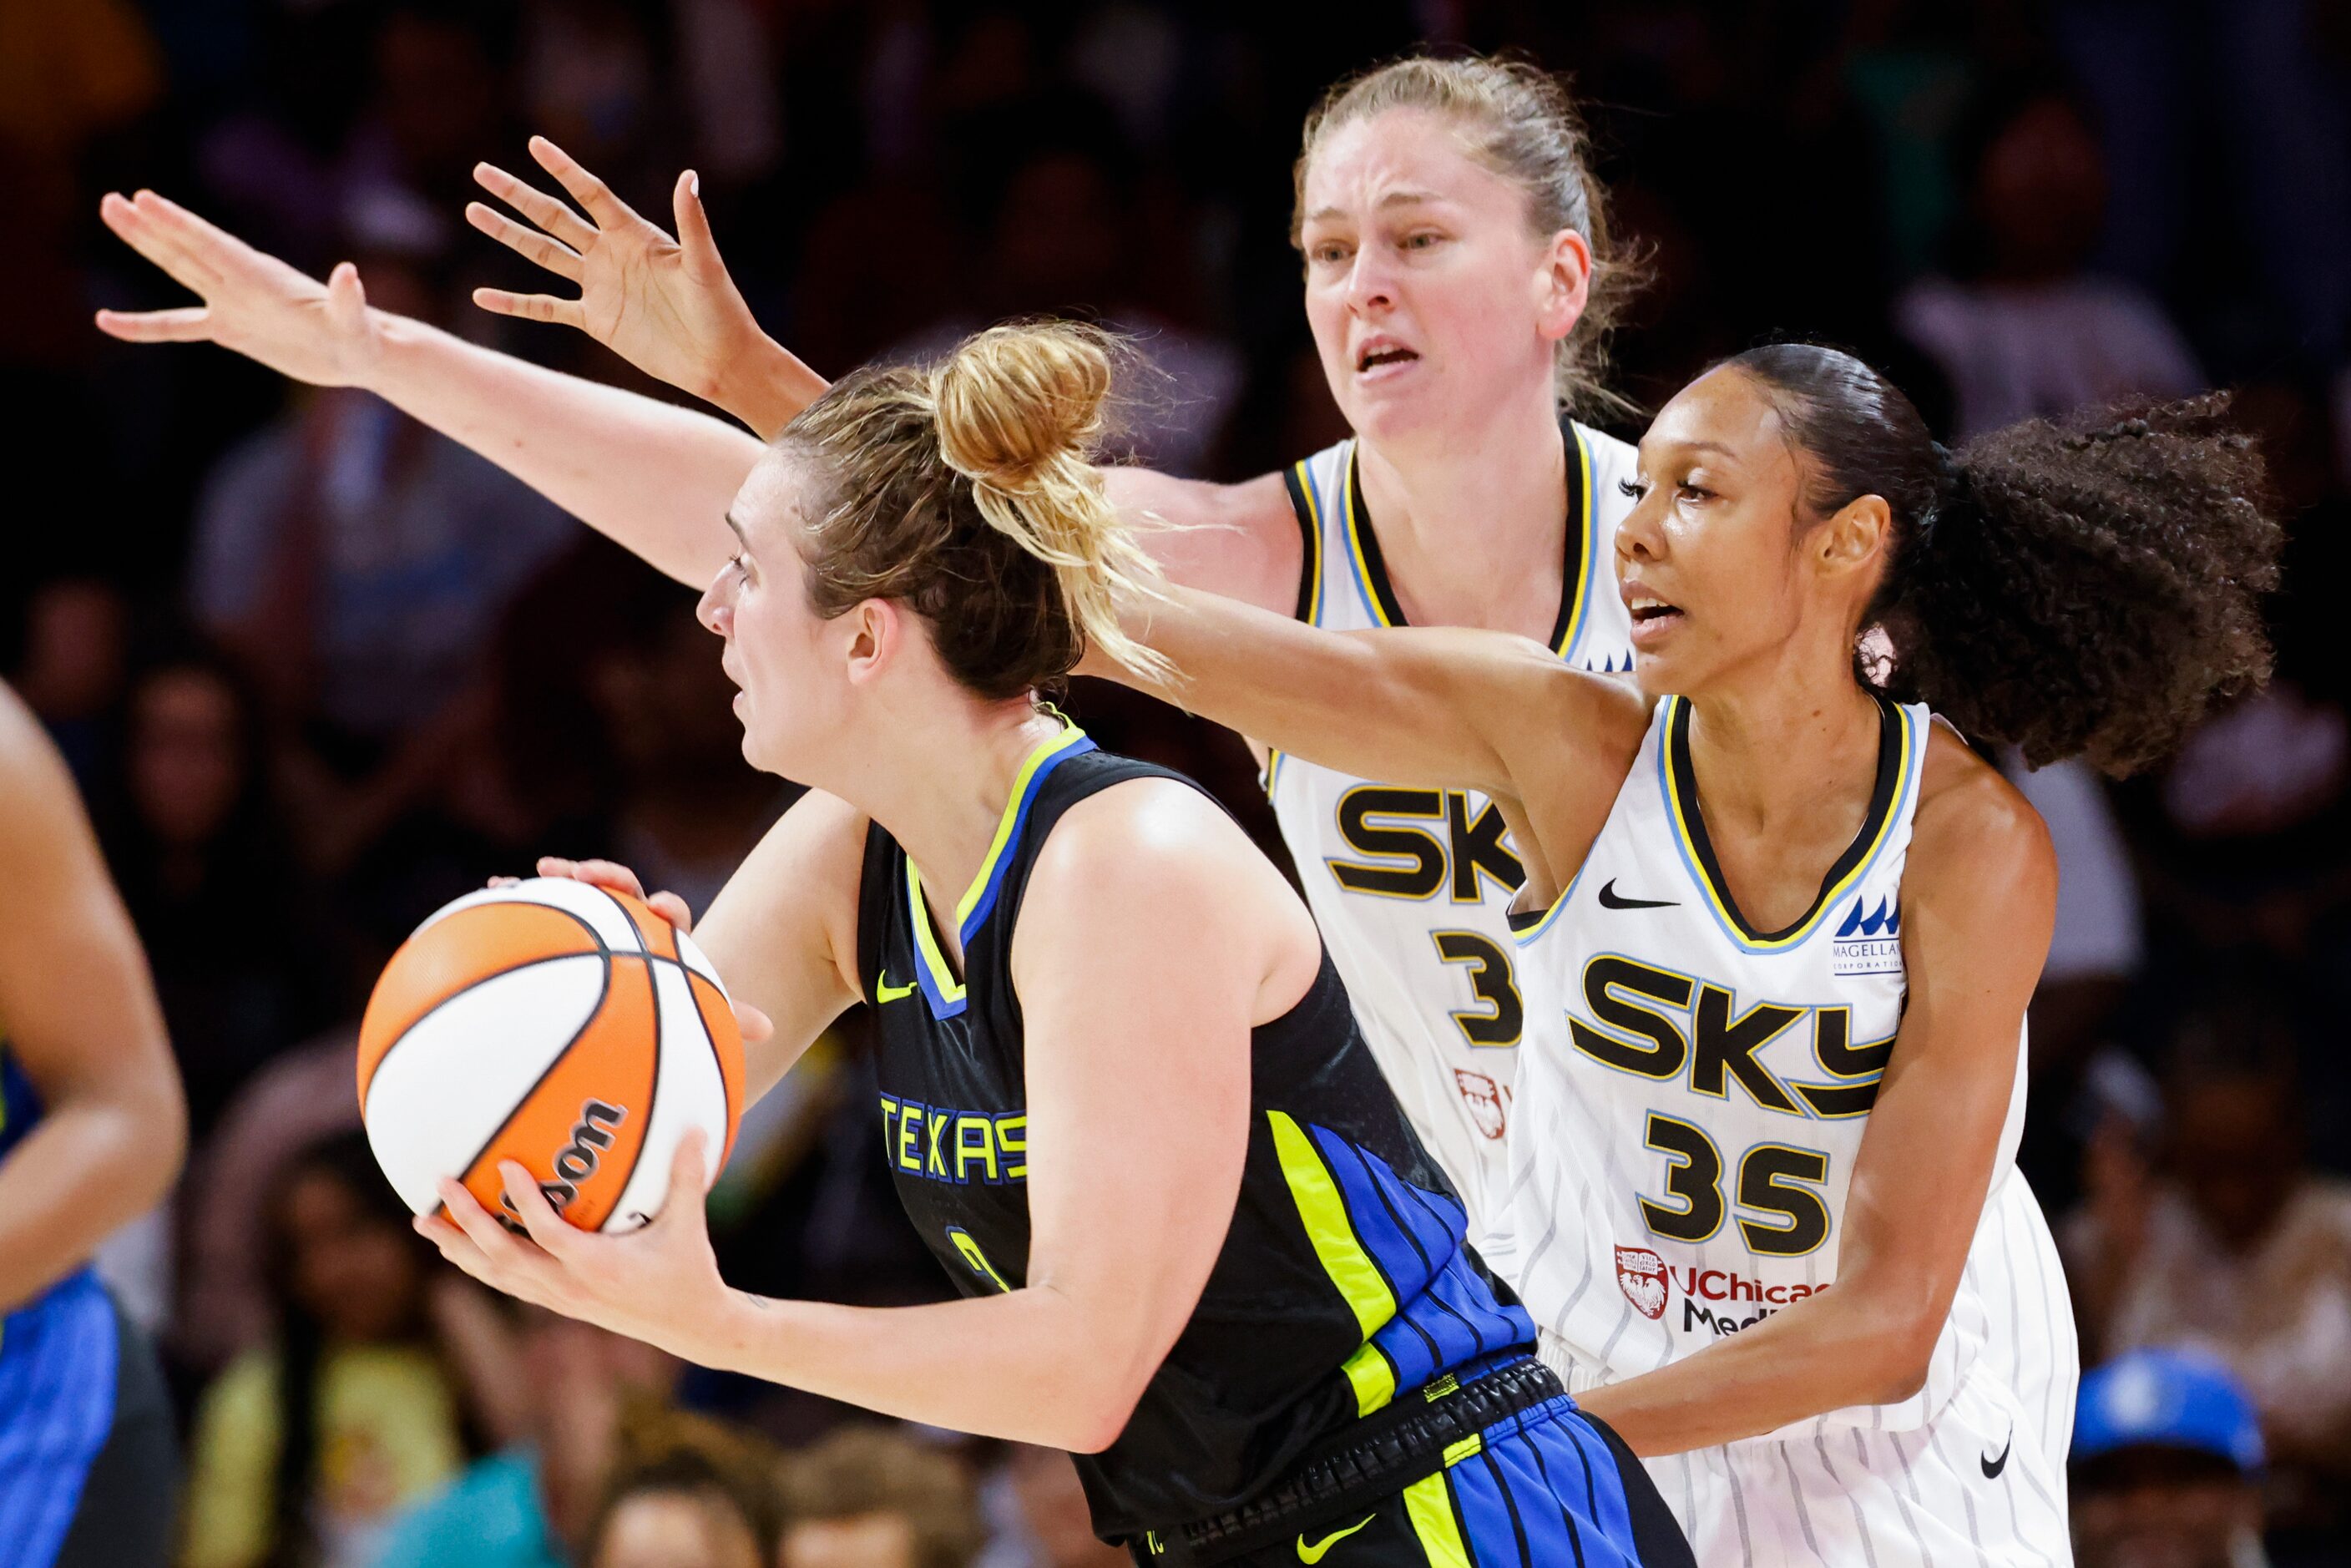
column 1977, row 1487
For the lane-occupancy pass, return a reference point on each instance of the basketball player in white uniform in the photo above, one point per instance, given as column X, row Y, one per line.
column 1458, row 281
column 1781, row 925
column 1702, row 1134
column 1412, row 887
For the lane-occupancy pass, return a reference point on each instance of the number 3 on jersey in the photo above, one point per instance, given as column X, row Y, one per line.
column 1399, row 860
column 1502, row 1017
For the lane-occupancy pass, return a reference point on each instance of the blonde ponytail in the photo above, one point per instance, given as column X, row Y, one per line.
column 1022, row 410
column 968, row 492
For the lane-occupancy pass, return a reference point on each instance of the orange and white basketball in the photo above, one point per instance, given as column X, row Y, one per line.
column 555, row 1024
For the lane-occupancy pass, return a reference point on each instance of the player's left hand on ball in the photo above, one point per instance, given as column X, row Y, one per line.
column 656, row 1284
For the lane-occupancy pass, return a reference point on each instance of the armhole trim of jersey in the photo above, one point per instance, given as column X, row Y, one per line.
column 1303, row 506
column 1581, row 566
column 1298, row 480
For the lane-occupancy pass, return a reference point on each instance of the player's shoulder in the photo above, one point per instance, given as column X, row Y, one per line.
column 1170, row 501
column 1597, row 720
column 1152, row 859
column 21, row 735
column 1971, row 822
column 1154, row 828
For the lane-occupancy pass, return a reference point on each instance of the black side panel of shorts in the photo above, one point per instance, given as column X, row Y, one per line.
column 128, row 1499
column 1656, row 1534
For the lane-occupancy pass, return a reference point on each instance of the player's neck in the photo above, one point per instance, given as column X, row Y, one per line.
column 942, row 794
column 1768, row 752
column 1470, row 525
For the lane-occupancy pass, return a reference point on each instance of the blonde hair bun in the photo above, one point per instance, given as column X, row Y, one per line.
column 1016, row 402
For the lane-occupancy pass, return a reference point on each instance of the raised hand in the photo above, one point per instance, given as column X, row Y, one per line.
column 665, row 305
column 252, row 304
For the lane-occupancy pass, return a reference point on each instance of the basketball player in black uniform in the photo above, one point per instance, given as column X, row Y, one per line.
column 1122, row 1091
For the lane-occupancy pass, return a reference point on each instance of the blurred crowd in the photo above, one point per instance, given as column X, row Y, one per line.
column 318, row 670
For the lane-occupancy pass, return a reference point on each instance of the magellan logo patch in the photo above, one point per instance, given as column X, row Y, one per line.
column 1870, row 940
column 1641, row 1275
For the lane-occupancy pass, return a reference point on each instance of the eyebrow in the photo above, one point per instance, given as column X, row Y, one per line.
column 1695, row 446
column 740, row 537
column 1393, row 199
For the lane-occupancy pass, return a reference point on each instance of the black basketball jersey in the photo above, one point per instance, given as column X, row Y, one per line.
column 1344, row 1278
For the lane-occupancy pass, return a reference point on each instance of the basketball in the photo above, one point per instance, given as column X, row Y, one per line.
column 558, row 1025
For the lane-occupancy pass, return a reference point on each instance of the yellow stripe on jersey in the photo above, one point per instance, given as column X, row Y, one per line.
column 1313, row 564
column 1333, row 1235
column 1354, row 515
column 926, row 944
column 1682, row 809
column 1589, row 562
column 1429, row 1503
column 1069, row 736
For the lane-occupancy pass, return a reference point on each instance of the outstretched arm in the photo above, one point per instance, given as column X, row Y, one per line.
column 655, row 478
column 81, row 1021
column 668, row 307
column 1439, row 705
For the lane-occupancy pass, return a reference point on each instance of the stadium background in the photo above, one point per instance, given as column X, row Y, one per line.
column 295, row 750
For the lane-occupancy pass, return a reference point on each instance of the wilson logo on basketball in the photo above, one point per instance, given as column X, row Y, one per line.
column 576, row 1161
column 1641, row 1275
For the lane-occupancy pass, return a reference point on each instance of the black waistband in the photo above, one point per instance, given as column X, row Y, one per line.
column 1378, row 1456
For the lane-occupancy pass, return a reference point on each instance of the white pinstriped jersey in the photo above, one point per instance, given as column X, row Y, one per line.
column 1678, row 1170
column 1412, row 887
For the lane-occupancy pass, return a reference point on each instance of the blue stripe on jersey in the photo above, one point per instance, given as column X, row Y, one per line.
column 1447, row 1313
column 57, row 1362
column 980, row 901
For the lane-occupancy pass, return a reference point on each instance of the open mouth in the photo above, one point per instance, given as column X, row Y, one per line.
column 1646, row 610
column 1378, row 355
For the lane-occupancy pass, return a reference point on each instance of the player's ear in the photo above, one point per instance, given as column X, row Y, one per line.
column 1853, row 535
column 875, row 629
column 1563, row 286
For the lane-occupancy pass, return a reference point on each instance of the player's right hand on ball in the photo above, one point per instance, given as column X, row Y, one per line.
column 614, row 877
column 255, row 304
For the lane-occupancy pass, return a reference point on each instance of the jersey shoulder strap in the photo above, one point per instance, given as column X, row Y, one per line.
column 885, row 904
column 1314, row 485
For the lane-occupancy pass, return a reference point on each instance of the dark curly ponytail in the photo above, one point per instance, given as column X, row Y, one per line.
column 2083, row 589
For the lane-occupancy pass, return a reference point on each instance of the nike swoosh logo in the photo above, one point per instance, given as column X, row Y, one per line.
column 1608, row 900
column 1992, row 1468
column 1312, row 1554
column 883, row 991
